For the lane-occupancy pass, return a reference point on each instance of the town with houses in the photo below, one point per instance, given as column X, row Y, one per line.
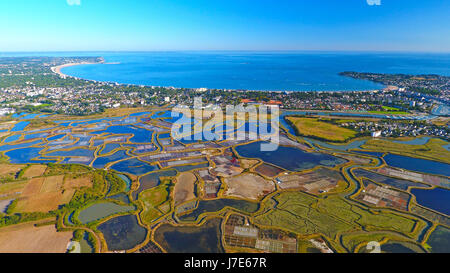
column 32, row 84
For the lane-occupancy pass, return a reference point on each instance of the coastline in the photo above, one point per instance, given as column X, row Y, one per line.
column 57, row 69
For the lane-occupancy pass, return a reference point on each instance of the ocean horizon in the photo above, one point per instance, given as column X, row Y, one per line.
column 250, row 70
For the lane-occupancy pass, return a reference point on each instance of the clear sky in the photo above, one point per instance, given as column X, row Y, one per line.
column 141, row 25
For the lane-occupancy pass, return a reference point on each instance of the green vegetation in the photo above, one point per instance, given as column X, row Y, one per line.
column 321, row 129
column 424, row 84
column 7, row 220
column 116, row 185
column 20, row 173
column 92, row 241
column 78, row 235
column 305, row 246
column 153, row 199
column 87, row 195
column 301, row 213
column 35, row 109
column 389, row 108
column 12, row 206
column 427, row 91
column 389, row 112
column 344, row 224
column 57, row 169
column 433, row 150
column 39, row 123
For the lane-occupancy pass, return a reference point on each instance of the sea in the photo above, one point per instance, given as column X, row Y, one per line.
column 265, row 71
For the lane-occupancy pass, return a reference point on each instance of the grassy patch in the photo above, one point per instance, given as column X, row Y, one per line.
column 153, row 199
column 314, row 127
column 55, row 169
column 331, row 216
column 433, row 150
column 389, row 112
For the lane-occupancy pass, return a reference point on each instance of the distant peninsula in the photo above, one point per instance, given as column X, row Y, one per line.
column 429, row 84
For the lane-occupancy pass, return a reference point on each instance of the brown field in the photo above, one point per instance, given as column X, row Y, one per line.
column 43, row 195
column 35, row 171
column 66, row 196
column 184, row 188
column 33, row 187
column 43, row 202
column 248, row 186
column 313, row 182
column 7, row 169
column 356, row 159
column 52, row 184
column 26, row 238
column 379, row 196
column 12, row 188
column 268, row 170
column 75, row 183
column 248, row 163
column 113, row 112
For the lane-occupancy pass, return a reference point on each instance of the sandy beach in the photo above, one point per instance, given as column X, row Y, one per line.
column 57, row 69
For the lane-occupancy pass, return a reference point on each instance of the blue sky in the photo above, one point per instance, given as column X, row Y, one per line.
column 141, row 25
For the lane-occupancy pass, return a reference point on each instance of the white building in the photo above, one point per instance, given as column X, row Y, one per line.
column 6, row 111
column 376, row 134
